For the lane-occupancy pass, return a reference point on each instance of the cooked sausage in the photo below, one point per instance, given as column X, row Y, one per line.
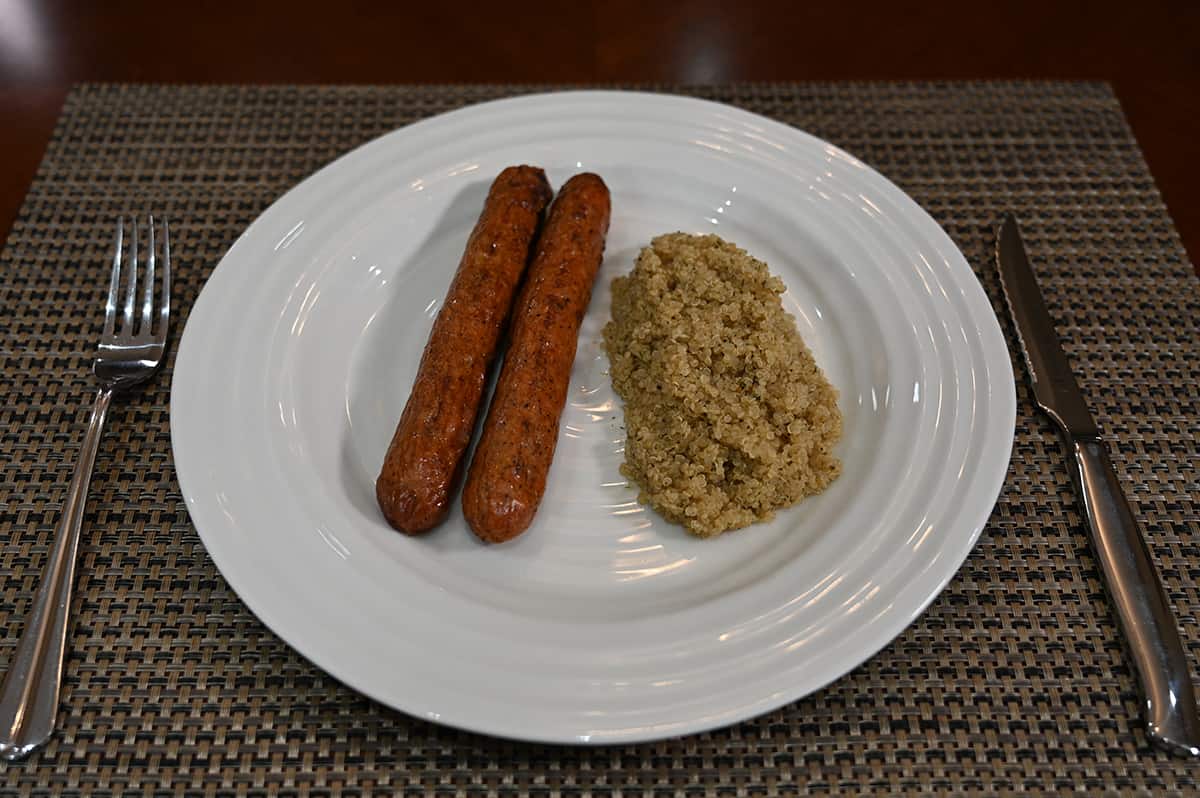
column 507, row 476
column 424, row 458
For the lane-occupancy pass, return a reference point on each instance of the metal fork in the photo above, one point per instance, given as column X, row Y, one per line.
column 129, row 352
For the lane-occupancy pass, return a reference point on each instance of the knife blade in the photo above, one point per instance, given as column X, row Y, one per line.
column 1050, row 373
column 1146, row 619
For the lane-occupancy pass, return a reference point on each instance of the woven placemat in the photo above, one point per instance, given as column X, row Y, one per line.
column 1012, row 681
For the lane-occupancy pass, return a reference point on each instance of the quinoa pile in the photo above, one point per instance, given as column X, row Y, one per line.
column 727, row 416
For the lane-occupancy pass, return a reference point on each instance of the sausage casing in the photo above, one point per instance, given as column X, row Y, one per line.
column 508, row 472
column 423, row 461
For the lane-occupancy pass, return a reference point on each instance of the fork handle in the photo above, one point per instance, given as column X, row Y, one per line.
column 29, row 693
column 1137, row 595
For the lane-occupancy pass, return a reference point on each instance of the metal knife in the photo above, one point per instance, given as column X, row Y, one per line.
column 1137, row 594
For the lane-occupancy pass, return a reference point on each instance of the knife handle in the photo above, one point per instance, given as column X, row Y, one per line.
column 1137, row 594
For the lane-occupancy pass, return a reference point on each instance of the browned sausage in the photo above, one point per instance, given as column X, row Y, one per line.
column 423, row 460
column 508, row 472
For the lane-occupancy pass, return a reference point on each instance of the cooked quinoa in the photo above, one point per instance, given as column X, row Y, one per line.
column 727, row 416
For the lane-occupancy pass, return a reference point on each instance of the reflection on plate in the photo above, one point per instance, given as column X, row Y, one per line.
column 602, row 623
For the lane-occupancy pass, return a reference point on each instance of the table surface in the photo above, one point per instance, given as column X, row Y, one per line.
column 1146, row 50
column 1014, row 678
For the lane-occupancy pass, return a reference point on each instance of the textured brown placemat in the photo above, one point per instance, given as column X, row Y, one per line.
column 1013, row 681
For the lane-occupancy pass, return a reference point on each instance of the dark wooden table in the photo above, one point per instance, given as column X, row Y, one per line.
column 1149, row 50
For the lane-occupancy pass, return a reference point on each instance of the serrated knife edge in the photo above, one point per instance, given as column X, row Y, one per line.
column 1050, row 374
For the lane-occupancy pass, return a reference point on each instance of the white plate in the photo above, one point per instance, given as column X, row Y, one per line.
column 602, row 623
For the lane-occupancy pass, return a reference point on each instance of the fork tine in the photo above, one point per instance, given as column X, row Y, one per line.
column 164, row 313
column 131, row 282
column 110, row 308
column 148, row 301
